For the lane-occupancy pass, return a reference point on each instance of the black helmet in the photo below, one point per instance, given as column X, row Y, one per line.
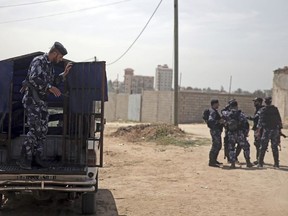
column 260, row 100
column 268, row 100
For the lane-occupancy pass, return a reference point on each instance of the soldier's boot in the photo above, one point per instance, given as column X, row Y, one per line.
column 24, row 162
column 248, row 163
column 276, row 159
column 238, row 151
column 257, row 156
column 39, row 161
column 261, row 158
column 217, row 162
column 212, row 160
column 232, row 166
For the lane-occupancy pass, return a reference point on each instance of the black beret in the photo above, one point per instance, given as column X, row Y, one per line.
column 60, row 48
column 233, row 103
column 214, row 101
column 260, row 100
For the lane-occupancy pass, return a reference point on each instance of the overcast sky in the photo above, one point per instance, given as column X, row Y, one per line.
column 245, row 39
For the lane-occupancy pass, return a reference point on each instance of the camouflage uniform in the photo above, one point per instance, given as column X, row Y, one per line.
column 257, row 139
column 271, row 124
column 237, row 135
column 215, row 131
column 40, row 75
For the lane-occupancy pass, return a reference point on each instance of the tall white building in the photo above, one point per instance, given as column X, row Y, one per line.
column 163, row 78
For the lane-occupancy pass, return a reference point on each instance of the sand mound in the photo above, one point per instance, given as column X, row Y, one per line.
column 148, row 132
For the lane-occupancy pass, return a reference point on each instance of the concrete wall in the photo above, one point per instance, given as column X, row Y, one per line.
column 117, row 107
column 280, row 92
column 134, row 107
column 158, row 106
column 192, row 104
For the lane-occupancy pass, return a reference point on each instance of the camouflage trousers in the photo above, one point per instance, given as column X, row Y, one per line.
column 216, row 144
column 37, row 120
column 239, row 138
column 257, row 144
column 274, row 136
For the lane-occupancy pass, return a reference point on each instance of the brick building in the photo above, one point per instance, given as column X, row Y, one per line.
column 135, row 84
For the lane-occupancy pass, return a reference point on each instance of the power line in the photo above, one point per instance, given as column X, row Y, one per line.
column 63, row 13
column 28, row 3
column 138, row 35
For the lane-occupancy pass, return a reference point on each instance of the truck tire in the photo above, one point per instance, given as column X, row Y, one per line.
column 96, row 186
column 1, row 200
column 89, row 203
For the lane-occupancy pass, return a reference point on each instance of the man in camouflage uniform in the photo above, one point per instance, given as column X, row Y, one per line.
column 226, row 143
column 271, row 124
column 40, row 81
column 257, row 141
column 215, row 123
column 237, row 131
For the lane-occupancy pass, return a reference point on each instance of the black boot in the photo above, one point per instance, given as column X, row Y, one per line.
column 39, row 161
column 232, row 166
column 24, row 162
column 238, row 151
column 217, row 162
column 212, row 160
column 248, row 163
column 261, row 158
column 276, row 159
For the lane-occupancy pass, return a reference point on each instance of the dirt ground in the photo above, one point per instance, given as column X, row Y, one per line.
column 148, row 179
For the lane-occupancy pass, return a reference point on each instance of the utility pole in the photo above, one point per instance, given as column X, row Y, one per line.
column 230, row 84
column 176, row 62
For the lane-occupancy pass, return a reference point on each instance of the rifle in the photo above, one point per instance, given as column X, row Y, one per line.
column 283, row 135
column 27, row 85
column 279, row 144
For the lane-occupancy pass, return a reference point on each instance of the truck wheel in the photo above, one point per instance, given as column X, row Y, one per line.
column 1, row 200
column 96, row 186
column 88, row 203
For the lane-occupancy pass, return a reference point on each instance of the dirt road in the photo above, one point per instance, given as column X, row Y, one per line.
column 147, row 179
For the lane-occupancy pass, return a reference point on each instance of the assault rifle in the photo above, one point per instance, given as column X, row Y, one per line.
column 279, row 144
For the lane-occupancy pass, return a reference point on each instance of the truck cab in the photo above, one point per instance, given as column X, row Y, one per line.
column 74, row 143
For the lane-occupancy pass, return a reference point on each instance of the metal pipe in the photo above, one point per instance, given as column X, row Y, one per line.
column 102, row 113
column 25, row 188
column 9, row 182
column 176, row 62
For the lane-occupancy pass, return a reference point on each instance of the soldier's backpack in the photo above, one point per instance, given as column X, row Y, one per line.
column 233, row 122
column 270, row 117
column 206, row 114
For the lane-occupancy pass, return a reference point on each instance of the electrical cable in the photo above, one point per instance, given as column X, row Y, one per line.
column 137, row 36
column 63, row 13
column 28, row 3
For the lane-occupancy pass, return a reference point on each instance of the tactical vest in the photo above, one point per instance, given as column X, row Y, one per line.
column 234, row 122
column 270, row 117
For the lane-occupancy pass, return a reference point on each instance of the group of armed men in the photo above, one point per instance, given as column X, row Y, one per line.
column 267, row 127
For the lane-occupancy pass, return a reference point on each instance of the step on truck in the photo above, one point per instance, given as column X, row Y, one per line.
column 74, row 145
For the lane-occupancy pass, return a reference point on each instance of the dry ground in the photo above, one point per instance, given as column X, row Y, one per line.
column 147, row 179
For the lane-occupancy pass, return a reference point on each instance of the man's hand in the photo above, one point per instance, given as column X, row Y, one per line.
column 251, row 118
column 258, row 133
column 55, row 91
column 67, row 69
column 221, row 121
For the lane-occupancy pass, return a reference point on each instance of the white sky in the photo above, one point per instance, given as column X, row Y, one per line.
column 245, row 39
